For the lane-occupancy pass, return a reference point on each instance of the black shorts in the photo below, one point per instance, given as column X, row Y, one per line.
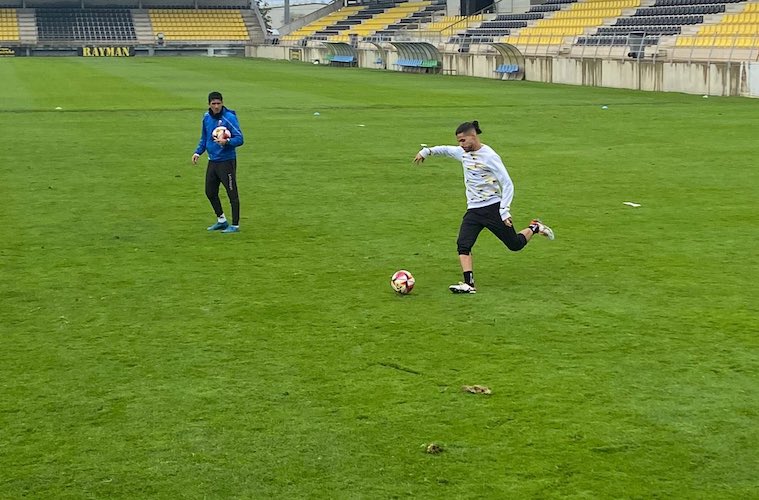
column 477, row 219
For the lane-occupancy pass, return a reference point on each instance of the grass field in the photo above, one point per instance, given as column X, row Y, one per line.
column 141, row 356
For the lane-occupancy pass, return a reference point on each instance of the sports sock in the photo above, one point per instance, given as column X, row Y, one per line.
column 469, row 278
column 221, row 218
column 535, row 228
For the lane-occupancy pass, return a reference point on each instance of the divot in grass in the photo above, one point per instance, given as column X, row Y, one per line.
column 433, row 449
column 477, row 389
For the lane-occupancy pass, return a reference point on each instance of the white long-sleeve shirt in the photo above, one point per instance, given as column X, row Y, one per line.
column 485, row 177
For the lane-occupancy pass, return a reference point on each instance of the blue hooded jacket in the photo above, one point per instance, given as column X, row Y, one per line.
column 225, row 118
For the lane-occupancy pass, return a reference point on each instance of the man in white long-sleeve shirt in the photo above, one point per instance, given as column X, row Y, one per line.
column 489, row 192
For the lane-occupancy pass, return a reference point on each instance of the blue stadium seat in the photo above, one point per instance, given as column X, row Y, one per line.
column 507, row 68
column 410, row 63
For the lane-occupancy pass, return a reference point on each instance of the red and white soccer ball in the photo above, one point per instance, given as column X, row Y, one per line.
column 402, row 282
column 221, row 132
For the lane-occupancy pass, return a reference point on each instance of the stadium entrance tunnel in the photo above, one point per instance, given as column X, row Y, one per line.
column 418, row 57
column 509, row 63
column 341, row 54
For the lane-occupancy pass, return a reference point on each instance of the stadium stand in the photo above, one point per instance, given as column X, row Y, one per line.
column 383, row 15
column 9, row 31
column 451, row 25
column 651, row 23
column 418, row 19
column 113, row 25
column 377, row 21
column 55, row 25
column 332, row 24
column 735, row 30
column 571, row 21
column 199, row 25
column 503, row 24
column 344, row 28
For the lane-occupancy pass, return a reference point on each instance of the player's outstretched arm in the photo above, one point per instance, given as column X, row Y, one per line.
column 449, row 151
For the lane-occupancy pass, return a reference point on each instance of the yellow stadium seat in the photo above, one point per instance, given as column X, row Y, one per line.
column 184, row 24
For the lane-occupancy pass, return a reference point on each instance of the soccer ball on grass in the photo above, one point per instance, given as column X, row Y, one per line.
column 402, row 282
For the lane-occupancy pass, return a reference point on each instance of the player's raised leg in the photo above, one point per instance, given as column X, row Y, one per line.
column 537, row 227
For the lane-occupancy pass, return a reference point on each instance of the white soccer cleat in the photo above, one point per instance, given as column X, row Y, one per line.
column 542, row 229
column 462, row 288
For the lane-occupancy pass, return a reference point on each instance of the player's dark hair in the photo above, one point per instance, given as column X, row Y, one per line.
column 468, row 127
column 214, row 95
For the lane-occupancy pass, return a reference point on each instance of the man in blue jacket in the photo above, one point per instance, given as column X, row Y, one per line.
column 222, row 160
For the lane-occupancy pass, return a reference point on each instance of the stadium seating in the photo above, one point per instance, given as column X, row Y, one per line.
column 389, row 14
column 418, row 19
column 199, row 25
column 503, row 24
column 507, row 68
column 9, row 25
column 342, row 59
column 572, row 20
column 451, row 25
column 334, row 22
column 90, row 25
column 664, row 18
column 417, row 63
column 735, row 30
column 378, row 20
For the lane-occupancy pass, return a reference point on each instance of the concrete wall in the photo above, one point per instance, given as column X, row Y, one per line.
column 501, row 7
column 753, row 79
column 720, row 79
column 512, row 6
column 692, row 78
column 277, row 14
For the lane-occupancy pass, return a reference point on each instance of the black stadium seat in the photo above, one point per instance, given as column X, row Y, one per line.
column 85, row 25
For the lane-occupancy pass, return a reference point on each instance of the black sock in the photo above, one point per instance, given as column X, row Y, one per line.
column 535, row 228
column 469, row 278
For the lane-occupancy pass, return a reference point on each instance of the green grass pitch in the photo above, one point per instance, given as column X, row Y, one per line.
column 141, row 356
